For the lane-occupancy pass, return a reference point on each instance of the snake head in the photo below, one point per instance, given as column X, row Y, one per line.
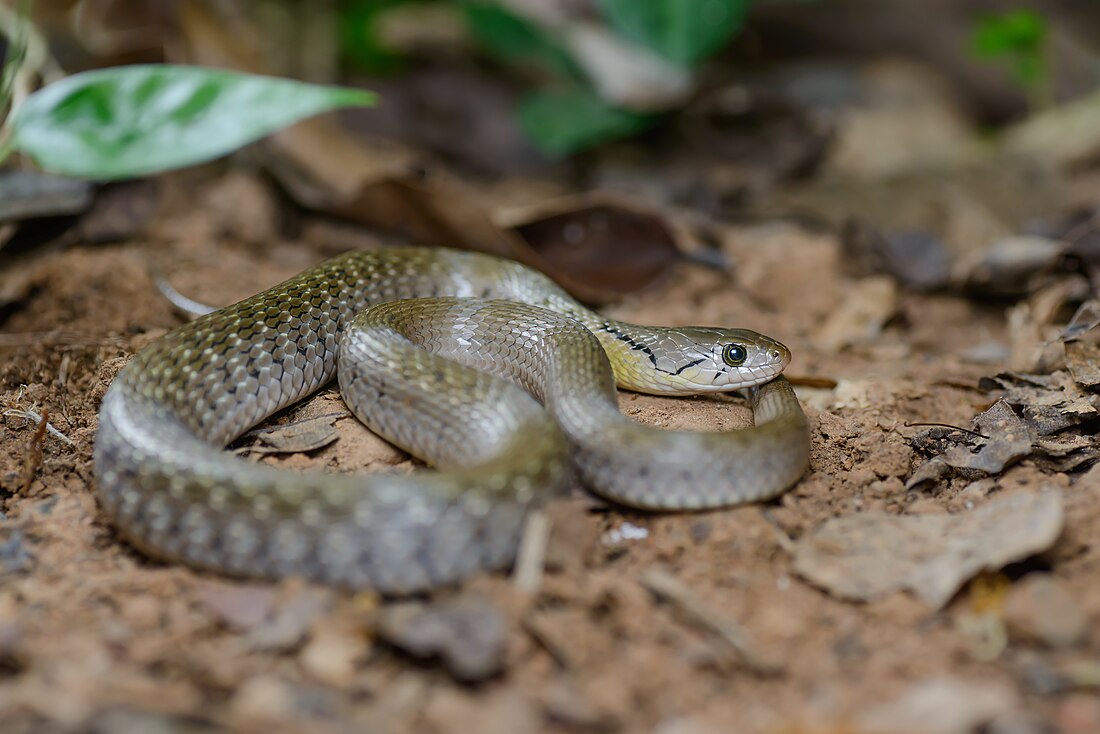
column 696, row 359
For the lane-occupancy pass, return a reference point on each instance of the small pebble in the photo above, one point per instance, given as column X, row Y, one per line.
column 626, row 531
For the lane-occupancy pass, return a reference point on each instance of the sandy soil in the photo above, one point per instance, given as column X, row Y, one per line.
column 94, row 637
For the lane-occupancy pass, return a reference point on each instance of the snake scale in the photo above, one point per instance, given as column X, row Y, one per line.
column 413, row 371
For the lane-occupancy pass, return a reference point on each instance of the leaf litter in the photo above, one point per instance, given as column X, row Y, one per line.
column 119, row 640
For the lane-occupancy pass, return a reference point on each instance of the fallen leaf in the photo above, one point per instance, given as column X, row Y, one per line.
column 1048, row 403
column 1008, row 441
column 599, row 246
column 1032, row 324
column 469, row 634
column 308, row 434
column 866, row 556
column 1081, row 347
column 1085, row 319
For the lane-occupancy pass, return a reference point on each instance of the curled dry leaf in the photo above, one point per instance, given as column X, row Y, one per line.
column 1008, row 441
column 1083, row 362
column 1085, row 319
column 866, row 556
column 1033, row 324
column 1001, row 440
column 1047, row 403
column 1081, row 338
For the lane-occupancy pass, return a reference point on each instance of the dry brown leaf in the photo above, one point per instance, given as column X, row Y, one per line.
column 1008, row 441
column 309, row 434
column 866, row 556
column 468, row 633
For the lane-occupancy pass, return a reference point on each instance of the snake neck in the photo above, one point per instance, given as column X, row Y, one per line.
column 629, row 347
column 631, row 351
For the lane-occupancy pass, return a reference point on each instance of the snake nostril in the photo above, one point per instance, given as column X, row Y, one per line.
column 776, row 355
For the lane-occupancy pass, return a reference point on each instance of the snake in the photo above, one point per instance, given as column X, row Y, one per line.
column 485, row 369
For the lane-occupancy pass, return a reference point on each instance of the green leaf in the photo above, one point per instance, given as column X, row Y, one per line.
column 359, row 40
column 684, row 31
column 566, row 121
column 134, row 120
column 1018, row 38
column 1016, row 32
column 513, row 39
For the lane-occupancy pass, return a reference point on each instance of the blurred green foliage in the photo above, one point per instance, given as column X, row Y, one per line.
column 683, row 31
column 514, row 40
column 564, row 121
column 358, row 40
column 1017, row 39
column 563, row 114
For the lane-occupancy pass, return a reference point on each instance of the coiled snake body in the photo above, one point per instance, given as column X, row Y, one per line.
column 412, row 371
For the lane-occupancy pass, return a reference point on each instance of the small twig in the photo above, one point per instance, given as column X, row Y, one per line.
column 556, row 648
column 188, row 306
column 670, row 589
column 781, row 538
column 32, row 461
column 63, row 370
column 923, row 424
column 827, row 383
column 527, row 575
column 40, row 418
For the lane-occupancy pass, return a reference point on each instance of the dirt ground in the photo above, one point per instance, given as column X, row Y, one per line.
column 679, row 624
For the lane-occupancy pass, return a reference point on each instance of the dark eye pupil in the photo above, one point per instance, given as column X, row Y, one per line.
column 735, row 354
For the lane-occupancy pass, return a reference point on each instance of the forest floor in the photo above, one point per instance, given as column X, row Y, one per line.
column 964, row 602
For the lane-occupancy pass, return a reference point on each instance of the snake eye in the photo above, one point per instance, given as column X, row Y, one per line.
column 734, row 355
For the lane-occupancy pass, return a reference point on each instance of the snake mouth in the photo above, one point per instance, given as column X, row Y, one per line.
column 753, row 377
